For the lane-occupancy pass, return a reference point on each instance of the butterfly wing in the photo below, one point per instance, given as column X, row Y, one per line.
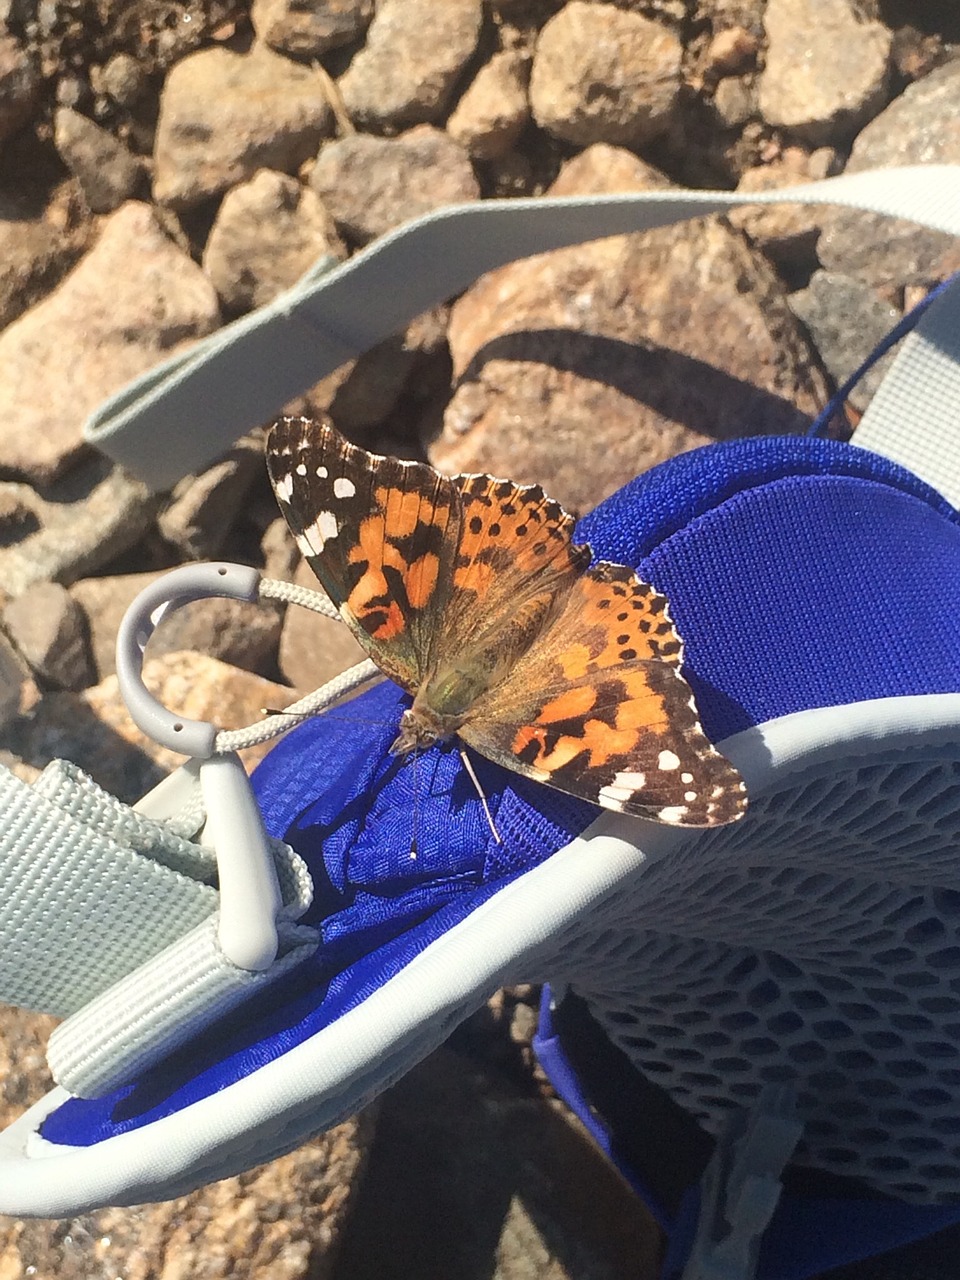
column 598, row 708
column 378, row 532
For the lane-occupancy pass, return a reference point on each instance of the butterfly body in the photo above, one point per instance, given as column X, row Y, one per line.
column 470, row 593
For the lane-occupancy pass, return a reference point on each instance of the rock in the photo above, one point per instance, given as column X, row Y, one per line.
column 371, row 185
column 123, row 79
column 493, row 111
column 846, row 320
column 18, row 517
column 33, row 256
column 49, row 629
column 108, row 174
column 94, row 729
column 134, row 299
column 735, row 100
column 308, row 28
column 603, row 74
column 827, row 68
column 731, row 51
column 19, row 86
column 280, row 553
column 241, row 634
column 414, row 53
column 616, row 351
column 283, row 1220
column 508, row 1185
column 922, row 126
column 15, row 683
column 268, row 232
column 203, row 508
column 83, row 521
column 224, row 115
column 314, row 649
column 787, row 233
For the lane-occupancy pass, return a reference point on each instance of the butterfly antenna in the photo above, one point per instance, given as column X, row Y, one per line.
column 483, row 799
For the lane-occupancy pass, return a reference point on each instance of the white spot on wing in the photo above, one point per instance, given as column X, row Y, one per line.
column 632, row 780
column 686, row 777
column 322, row 473
column 344, row 488
column 689, row 795
column 284, row 488
column 668, row 760
column 301, row 468
column 673, row 813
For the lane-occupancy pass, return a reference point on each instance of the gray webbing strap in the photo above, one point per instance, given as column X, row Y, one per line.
column 183, row 413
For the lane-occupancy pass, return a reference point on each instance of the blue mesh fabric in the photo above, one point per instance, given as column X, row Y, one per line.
column 801, row 573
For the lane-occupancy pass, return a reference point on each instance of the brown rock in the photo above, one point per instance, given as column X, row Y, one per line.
column 490, row 116
column 134, row 299
column 280, row 553
column 603, row 74
column 108, row 174
column 224, row 115
column 123, row 79
column 268, row 232
column 582, row 367
column 33, row 256
column 414, row 52
column 15, row 683
column 94, row 728
column 787, row 233
column 371, row 185
column 314, row 649
column 827, row 67
column 283, row 1220
column 85, row 519
column 308, row 28
column 922, row 126
column 49, row 629
column 735, row 100
column 19, row 86
column 731, row 51
column 203, row 508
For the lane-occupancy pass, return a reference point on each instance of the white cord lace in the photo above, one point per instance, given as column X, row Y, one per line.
column 312, row 703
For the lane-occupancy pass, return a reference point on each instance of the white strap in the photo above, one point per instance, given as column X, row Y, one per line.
column 914, row 417
column 185, row 412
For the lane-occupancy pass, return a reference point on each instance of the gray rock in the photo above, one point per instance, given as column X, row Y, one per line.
column 19, row 86
column 108, row 174
column 846, row 320
column 922, row 126
column 827, row 68
column 414, row 52
column 123, row 79
column 268, row 232
column 133, row 300
column 14, row 676
column 490, row 116
column 82, row 522
column 224, row 115
column 49, row 629
column 308, row 28
column 603, row 74
column 735, row 100
column 203, row 509
column 616, row 353
column 371, row 185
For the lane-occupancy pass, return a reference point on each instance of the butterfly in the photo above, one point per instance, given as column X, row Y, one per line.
column 470, row 593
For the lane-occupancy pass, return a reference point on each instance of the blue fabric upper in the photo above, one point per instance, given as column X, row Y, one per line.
column 801, row 573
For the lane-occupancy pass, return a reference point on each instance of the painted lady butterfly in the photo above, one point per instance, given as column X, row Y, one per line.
column 469, row 592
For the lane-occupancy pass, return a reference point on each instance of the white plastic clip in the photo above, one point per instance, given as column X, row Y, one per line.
column 741, row 1186
column 250, row 897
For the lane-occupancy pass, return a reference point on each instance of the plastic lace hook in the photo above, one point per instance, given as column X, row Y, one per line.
column 250, row 898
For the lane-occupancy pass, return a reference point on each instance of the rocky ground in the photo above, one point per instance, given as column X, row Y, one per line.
column 165, row 167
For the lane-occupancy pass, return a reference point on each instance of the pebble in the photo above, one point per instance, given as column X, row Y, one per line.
column 309, row 29
column 603, row 74
column 494, row 109
column 108, row 174
column 732, row 50
column 846, row 319
column 735, row 100
column 371, row 185
column 616, row 343
column 415, row 52
column 49, row 629
column 123, row 79
column 267, row 233
column 19, row 86
column 14, row 678
column 827, row 68
column 787, row 233
column 224, row 115
column 314, row 649
column 33, row 256
column 202, row 508
column 922, row 126
column 134, row 299
column 84, row 520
